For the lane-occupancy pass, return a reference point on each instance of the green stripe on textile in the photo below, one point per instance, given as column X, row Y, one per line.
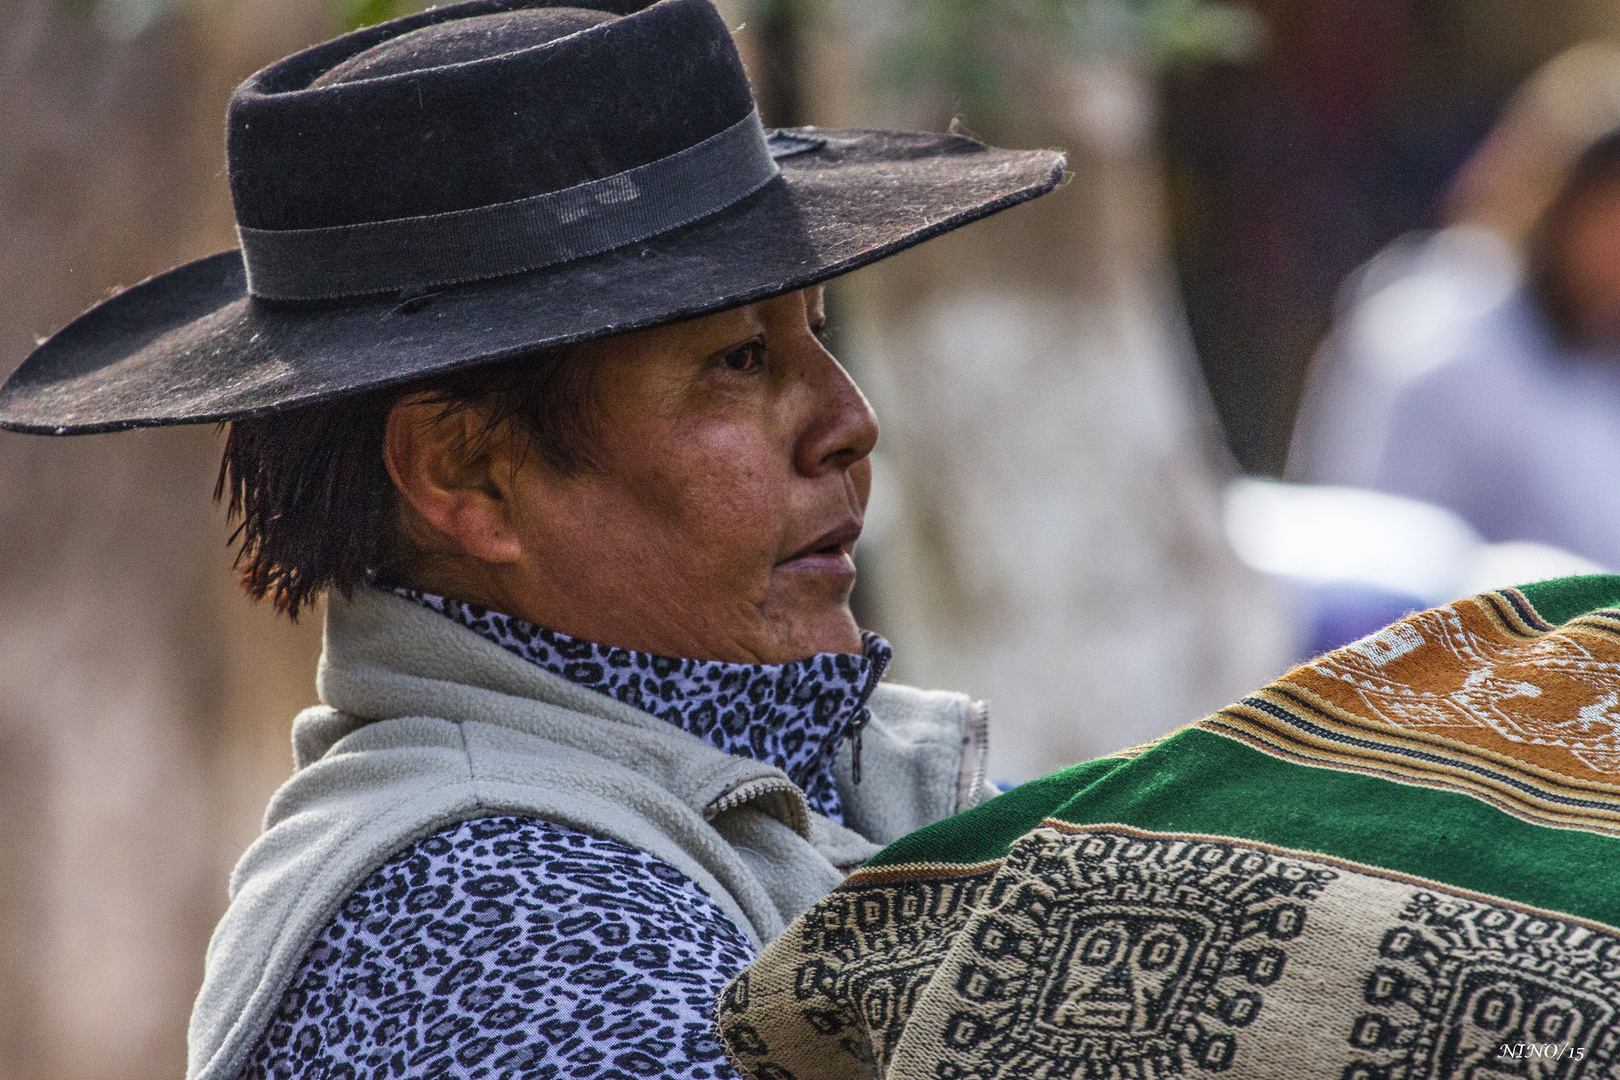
column 986, row 832
column 1198, row 781
column 1201, row 782
column 1561, row 599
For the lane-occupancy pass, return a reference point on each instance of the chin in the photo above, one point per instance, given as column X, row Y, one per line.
column 808, row 613
column 801, row 634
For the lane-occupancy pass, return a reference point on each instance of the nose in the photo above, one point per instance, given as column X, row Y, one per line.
column 840, row 428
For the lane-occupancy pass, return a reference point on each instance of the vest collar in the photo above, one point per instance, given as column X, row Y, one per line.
column 387, row 658
column 791, row 716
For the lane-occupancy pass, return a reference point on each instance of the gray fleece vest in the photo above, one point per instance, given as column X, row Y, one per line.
column 425, row 723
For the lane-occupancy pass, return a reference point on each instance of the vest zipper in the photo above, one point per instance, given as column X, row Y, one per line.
column 975, row 746
column 863, row 716
column 749, row 790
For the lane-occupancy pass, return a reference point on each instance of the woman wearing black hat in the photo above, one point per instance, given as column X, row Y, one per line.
column 520, row 359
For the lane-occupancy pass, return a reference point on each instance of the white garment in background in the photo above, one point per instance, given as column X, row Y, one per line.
column 1519, row 437
column 1410, row 309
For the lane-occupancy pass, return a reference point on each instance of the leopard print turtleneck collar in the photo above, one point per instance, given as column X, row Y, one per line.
column 792, row 716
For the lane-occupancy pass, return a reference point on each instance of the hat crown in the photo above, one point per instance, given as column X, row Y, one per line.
column 477, row 37
column 443, row 132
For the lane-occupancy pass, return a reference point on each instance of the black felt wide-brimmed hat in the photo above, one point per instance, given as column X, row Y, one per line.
column 488, row 179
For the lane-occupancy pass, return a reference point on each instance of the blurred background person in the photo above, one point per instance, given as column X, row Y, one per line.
column 1519, row 431
column 1478, row 367
column 1428, row 294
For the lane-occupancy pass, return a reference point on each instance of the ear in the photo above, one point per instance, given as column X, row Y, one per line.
column 456, row 486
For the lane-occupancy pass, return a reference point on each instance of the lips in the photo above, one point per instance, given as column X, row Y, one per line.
column 833, row 542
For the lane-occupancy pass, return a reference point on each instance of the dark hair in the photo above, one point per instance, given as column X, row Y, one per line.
column 317, row 506
column 1597, row 169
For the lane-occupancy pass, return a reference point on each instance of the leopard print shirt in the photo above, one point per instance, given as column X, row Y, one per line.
column 507, row 947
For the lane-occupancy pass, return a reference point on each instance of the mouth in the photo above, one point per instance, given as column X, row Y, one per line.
column 829, row 552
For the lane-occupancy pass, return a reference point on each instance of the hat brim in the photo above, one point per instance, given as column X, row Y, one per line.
column 190, row 346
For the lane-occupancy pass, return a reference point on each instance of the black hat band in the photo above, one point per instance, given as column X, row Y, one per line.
column 512, row 237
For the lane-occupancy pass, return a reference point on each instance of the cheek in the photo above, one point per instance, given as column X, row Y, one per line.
column 720, row 494
column 860, row 476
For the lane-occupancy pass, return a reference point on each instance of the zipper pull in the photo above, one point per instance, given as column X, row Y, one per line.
column 861, row 719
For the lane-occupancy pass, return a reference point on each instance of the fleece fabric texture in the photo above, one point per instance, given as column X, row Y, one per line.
column 1400, row 860
column 425, row 723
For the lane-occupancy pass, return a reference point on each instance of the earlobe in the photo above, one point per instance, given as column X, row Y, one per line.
column 455, row 486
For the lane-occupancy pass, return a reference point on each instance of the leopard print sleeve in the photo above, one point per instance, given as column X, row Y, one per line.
column 507, row 947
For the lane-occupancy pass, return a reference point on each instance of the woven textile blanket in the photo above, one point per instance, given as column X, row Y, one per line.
column 1399, row 861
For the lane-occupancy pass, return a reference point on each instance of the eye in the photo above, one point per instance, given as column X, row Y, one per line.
column 749, row 356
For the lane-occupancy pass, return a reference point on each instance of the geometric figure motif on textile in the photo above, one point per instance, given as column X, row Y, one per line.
column 1105, row 955
column 1106, row 952
column 1457, row 981
column 872, row 953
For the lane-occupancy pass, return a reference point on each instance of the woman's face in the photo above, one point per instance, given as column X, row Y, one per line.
column 1586, row 268
column 732, row 482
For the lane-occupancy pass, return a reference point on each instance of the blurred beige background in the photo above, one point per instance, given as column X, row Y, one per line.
column 1044, row 532
column 144, row 703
